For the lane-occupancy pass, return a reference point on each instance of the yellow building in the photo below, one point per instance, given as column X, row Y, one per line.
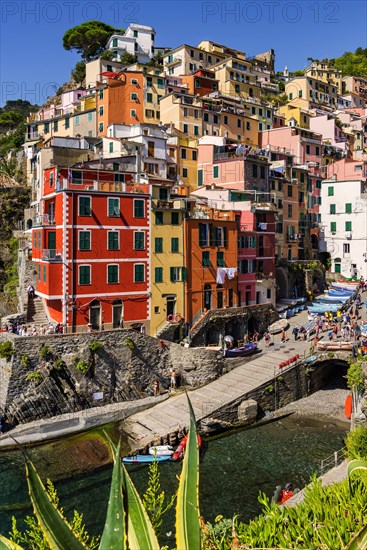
column 182, row 152
column 184, row 111
column 323, row 72
column 308, row 92
column 168, row 274
column 235, row 77
column 301, row 117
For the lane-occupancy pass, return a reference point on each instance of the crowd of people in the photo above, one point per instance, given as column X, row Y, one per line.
column 21, row 329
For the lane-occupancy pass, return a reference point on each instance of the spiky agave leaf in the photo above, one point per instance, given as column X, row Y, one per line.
column 187, row 508
column 359, row 541
column 54, row 526
column 140, row 532
column 6, row 544
column 114, row 532
column 353, row 466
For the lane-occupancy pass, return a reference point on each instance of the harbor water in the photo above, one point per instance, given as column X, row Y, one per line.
column 233, row 470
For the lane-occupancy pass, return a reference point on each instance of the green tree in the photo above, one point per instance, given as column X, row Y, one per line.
column 127, row 58
column 78, row 73
column 108, row 55
column 89, row 39
column 352, row 64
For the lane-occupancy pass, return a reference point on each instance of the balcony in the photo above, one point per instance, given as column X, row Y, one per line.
column 44, row 219
column 311, row 140
column 51, row 255
column 162, row 205
column 175, row 61
column 33, row 136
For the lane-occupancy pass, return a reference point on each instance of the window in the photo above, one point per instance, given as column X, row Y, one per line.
column 203, row 234
column 220, row 259
column 175, row 218
column 290, row 191
column 159, row 218
column 84, row 275
column 160, row 83
column 139, row 240
column 239, row 125
column 175, row 245
column 348, row 226
column 216, row 171
column 248, row 126
column 100, row 127
column 84, row 240
column 290, row 211
column 183, row 153
column 158, row 278
column 56, row 125
column 85, row 206
column 318, row 184
column 300, row 93
column 225, row 119
column 290, row 97
column 113, row 207
column 111, row 147
column 112, row 274
column 90, row 117
column 196, row 130
column 46, row 127
column 158, row 245
column 139, row 208
column 317, row 151
column 44, row 274
column 200, row 178
column 184, row 173
column 133, row 113
column 308, row 149
column 149, row 81
column 330, row 191
column 262, row 173
column 77, row 120
column 215, row 119
column 194, row 155
column 332, row 208
column 254, row 170
column 185, row 128
column 206, row 117
column 237, row 88
column 205, row 259
column 346, row 248
column 136, row 34
column 348, row 208
column 101, row 110
column 114, row 43
column 67, row 123
column 112, row 240
column 176, row 274
column 101, row 93
column 149, row 98
column 139, row 273
column 268, row 293
column 333, row 227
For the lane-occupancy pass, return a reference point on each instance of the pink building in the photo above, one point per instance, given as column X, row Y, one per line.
column 347, row 169
column 330, row 131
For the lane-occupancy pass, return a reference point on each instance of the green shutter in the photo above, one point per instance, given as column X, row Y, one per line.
column 330, row 191
column 220, row 259
column 138, row 208
column 84, row 240
column 84, row 206
column 332, row 209
column 216, row 171
column 113, row 240
column 158, row 245
column 139, row 273
column 113, row 207
column 172, row 273
column 200, row 178
column 183, row 274
column 174, row 245
column 112, row 274
column 44, row 274
column 139, row 240
column 159, row 274
column 333, row 227
column 159, row 218
column 205, row 259
column 84, row 275
column 348, row 208
column 348, row 226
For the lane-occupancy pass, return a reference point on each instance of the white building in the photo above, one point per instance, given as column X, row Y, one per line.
column 138, row 40
column 344, row 225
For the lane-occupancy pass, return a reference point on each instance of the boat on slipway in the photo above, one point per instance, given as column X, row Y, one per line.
column 145, row 459
column 242, row 351
column 278, row 326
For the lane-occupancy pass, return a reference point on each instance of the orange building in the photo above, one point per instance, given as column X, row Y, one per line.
column 119, row 100
column 201, row 82
column 211, row 240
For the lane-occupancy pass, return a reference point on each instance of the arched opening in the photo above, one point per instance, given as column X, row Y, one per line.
column 29, row 224
column 234, row 328
column 212, row 335
column 95, row 314
column 207, row 298
column 337, row 265
column 252, row 326
column 117, row 314
column 220, row 291
column 314, row 242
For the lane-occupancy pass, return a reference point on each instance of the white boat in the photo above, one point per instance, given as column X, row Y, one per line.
column 288, row 302
column 161, row 450
column 278, row 326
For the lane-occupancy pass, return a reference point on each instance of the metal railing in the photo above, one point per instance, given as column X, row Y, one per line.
column 332, row 461
column 51, row 255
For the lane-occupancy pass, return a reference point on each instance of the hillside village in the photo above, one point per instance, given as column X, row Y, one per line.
column 170, row 183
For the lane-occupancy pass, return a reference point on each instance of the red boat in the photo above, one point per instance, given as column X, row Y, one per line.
column 179, row 452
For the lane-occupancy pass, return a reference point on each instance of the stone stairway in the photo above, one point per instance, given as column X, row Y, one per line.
column 36, row 313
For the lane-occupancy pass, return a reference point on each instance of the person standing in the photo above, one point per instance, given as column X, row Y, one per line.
column 155, row 387
column 295, row 332
column 267, row 338
column 173, row 379
column 283, row 336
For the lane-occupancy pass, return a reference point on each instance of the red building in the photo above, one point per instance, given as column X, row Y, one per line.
column 91, row 248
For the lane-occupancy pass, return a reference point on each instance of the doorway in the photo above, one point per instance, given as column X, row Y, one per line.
column 207, row 301
column 219, row 296
column 170, row 306
column 95, row 314
column 51, row 244
column 117, row 314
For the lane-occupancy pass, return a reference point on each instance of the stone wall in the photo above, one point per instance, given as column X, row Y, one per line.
column 122, row 369
column 233, row 321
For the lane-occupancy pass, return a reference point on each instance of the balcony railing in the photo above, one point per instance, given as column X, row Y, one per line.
column 162, row 204
column 51, row 255
column 44, row 219
column 264, row 276
column 173, row 61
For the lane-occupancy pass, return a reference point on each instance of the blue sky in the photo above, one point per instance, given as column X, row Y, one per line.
column 33, row 62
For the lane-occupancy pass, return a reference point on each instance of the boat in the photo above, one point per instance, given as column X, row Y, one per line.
column 335, row 346
column 278, row 326
column 333, row 299
column 144, row 459
column 349, row 281
column 340, row 292
column 288, row 301
column 161, row 450
column 345, row 286
column 348, row 406
column 323, row 308
column 282, row 310
column 179, row 452
column 242, row 351
column 310, row 359
column 309, row 327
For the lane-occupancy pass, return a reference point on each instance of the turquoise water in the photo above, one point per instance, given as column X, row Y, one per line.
column 233, row 470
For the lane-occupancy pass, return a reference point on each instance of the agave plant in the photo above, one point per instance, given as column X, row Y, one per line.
column 127, row 523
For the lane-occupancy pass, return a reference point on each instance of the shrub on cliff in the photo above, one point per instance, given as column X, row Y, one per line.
column 6, row 350
column 356, row 443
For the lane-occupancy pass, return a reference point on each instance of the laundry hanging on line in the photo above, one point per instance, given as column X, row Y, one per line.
column 222, row 272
